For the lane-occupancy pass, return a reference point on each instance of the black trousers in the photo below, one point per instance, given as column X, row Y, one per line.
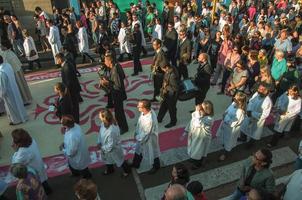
column 197, row 163
column 202, row 93
column 276, row 137
column 158, row 82
column 126, row 168
column 31, row 64
column 75, row 97
column 183, row 70
column 138, row 159
column 168, row 104
column 171, row 57
column 136, row 60
column 47, row 188
column 84, row 54
column 85, row 173
column 118, row 105
column 225, row 77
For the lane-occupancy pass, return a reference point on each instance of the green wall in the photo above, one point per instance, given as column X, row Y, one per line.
column 124, row 5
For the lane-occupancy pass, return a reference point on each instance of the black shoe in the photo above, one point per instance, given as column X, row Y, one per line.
column 140, row 70
column 195, row 167
column 134, row 74
column 153, row 171
column 106, row 172
column 79, row 75
column 219, row 93
column 170, row 125
column 213, row 84
column 242, row 139
column 109, row 106
column 154, row 100
column 124, row 131
column 191, row 111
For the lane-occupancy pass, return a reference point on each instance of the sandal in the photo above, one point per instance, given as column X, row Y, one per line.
column 106, row 172
column 222, row 157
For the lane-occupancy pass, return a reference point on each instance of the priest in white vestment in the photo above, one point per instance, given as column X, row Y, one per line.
column 10, row 94
column 54, row 39
column 258, row 109
column 146, row 134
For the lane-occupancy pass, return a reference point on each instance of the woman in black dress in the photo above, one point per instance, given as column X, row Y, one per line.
column 63, row 104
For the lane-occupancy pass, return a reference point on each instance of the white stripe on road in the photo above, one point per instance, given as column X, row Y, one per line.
column 224, row 174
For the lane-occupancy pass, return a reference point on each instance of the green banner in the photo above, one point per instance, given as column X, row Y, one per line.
column 124, row 5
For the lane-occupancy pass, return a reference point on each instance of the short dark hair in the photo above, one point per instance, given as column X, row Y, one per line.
column 157, row 41
column 268, row 157
column 1, row 60
column 59, row 55
column 68, row 121
column 19, row 170
column 38, row 9
column 21, row 137
column 195, row 187
column 86, row 189
column 183, row 174
column 146, row 103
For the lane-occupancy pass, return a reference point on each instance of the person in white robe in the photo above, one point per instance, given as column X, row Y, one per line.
column 229, row 129
column 287, row 108
column 110, row 145
column 10, row 57
column 75, row 148
column 199, row 133
column 146, row 135
column 124, row 42
column 158, row 30
column 136, row 21
column 27, row 153
column 258, row 109
column 9, row 93
column 30, row 49
column 54, row 39
column 83, row 42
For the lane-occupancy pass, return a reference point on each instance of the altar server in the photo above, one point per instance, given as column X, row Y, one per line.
column 54, row 39
column 10, row 94
column 146, row 135
column 199, row 133
column 258, row 109
column 229, row 129
column 287, row 107
column 110, row 145
column 75, row 148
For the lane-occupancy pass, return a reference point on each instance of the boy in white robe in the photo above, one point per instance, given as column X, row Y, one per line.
column 199, row 133
column 229, row 129
column 258, row 109
column 146, row 135
column 287, row 107
column 123, row 41
column 10, row 94
column 75, row 148
column 54, row 39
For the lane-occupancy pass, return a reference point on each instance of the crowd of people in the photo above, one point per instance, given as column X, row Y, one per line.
column 251, row 50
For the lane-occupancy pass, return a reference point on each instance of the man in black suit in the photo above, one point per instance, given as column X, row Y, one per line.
column 70, row 80
column 156, row 72
column 183, row 55
column 170, row 42
column 117, row 94
column 202, row 77
column 169, row 94
column 137, row 48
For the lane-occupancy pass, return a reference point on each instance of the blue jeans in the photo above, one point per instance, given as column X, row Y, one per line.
column 236, row 195
column 298, row 164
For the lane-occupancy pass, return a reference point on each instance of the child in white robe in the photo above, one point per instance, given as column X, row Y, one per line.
column 199, row 133
column 124, row 42
column 287, row 108
column 229, row 129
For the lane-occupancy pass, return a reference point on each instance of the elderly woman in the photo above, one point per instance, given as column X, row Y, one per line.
column 279, row 66
column 30, row 49
column 110, row 145
column 27, row 153
column 28, row 186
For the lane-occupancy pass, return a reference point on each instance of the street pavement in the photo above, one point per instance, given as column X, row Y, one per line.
column 219, row 178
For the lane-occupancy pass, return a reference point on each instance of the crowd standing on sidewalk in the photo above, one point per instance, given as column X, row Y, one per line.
column 250, row 49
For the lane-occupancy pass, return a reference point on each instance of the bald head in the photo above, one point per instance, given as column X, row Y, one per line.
column 176, row 192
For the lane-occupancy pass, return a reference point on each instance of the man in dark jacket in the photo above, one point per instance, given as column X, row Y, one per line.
column 183, row 55
column 156, row 70
column 70, row 80
column 137, row 48
column 117, row 94
column 202, row 77
column 170, row 42
column 169, row 92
